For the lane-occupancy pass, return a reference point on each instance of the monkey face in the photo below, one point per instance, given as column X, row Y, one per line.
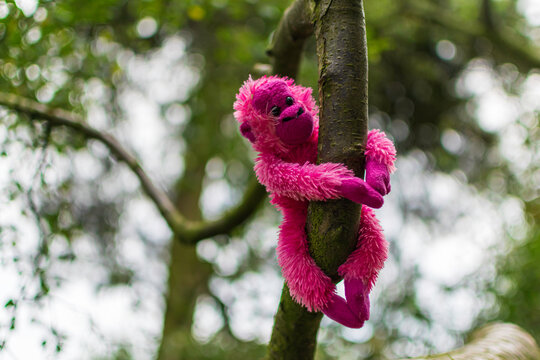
column 293, row 124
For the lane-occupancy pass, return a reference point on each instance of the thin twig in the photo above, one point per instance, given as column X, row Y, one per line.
column 224, row 311
column 43, row 249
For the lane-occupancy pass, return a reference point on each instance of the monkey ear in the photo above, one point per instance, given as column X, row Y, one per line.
column 245, row 129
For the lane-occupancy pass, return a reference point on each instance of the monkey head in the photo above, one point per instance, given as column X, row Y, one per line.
column 275, row 114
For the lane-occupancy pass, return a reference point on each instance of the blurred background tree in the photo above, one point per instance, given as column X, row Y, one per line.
column 85, row 256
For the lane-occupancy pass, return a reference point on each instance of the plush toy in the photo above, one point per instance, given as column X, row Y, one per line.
column 280, row 120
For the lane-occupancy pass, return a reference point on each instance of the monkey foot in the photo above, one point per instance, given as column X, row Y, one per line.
column 352, row 312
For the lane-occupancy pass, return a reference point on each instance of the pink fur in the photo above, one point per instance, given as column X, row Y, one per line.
column 307, row 283
column 300, row 182
column 371, row 251
column 268, row 142
column 381, row 149
column 291, row 176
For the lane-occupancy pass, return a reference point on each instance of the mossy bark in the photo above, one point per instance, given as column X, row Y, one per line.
column 332, row 226
column 294, row 336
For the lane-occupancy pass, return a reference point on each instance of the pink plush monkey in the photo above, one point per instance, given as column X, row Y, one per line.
column 280, row 120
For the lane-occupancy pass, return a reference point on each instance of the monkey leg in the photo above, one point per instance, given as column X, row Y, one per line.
column 308, row 284
column 341, row 310
column 362, row 267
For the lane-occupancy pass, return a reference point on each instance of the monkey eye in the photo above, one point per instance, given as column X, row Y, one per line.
column 276, row 111
column 289, row 100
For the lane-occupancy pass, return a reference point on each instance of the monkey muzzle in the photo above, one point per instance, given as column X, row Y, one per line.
column 298, row 113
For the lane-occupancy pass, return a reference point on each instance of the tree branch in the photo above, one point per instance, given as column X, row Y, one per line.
column 59, row 117
column 288, row 40
column 186, row 231
column 495, row 342
column 340, row 30
column 252, row 198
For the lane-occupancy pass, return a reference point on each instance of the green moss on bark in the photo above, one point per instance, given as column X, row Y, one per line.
column 294, row 335
column 332, row 226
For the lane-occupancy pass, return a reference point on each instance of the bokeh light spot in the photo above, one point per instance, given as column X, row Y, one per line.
column 196, row 13
column 452, row 141
column 446, row 50
column 4, row 10
column 147, row 27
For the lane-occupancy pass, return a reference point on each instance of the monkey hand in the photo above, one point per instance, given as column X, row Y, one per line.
column 378, row 176
column 357, row 190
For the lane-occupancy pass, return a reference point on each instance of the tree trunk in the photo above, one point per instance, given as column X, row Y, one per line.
column 332, row 226
column 188, row 276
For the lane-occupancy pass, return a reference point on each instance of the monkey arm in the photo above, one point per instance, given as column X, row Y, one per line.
column 381, row 149
column 380, row 158
column 301, row 182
